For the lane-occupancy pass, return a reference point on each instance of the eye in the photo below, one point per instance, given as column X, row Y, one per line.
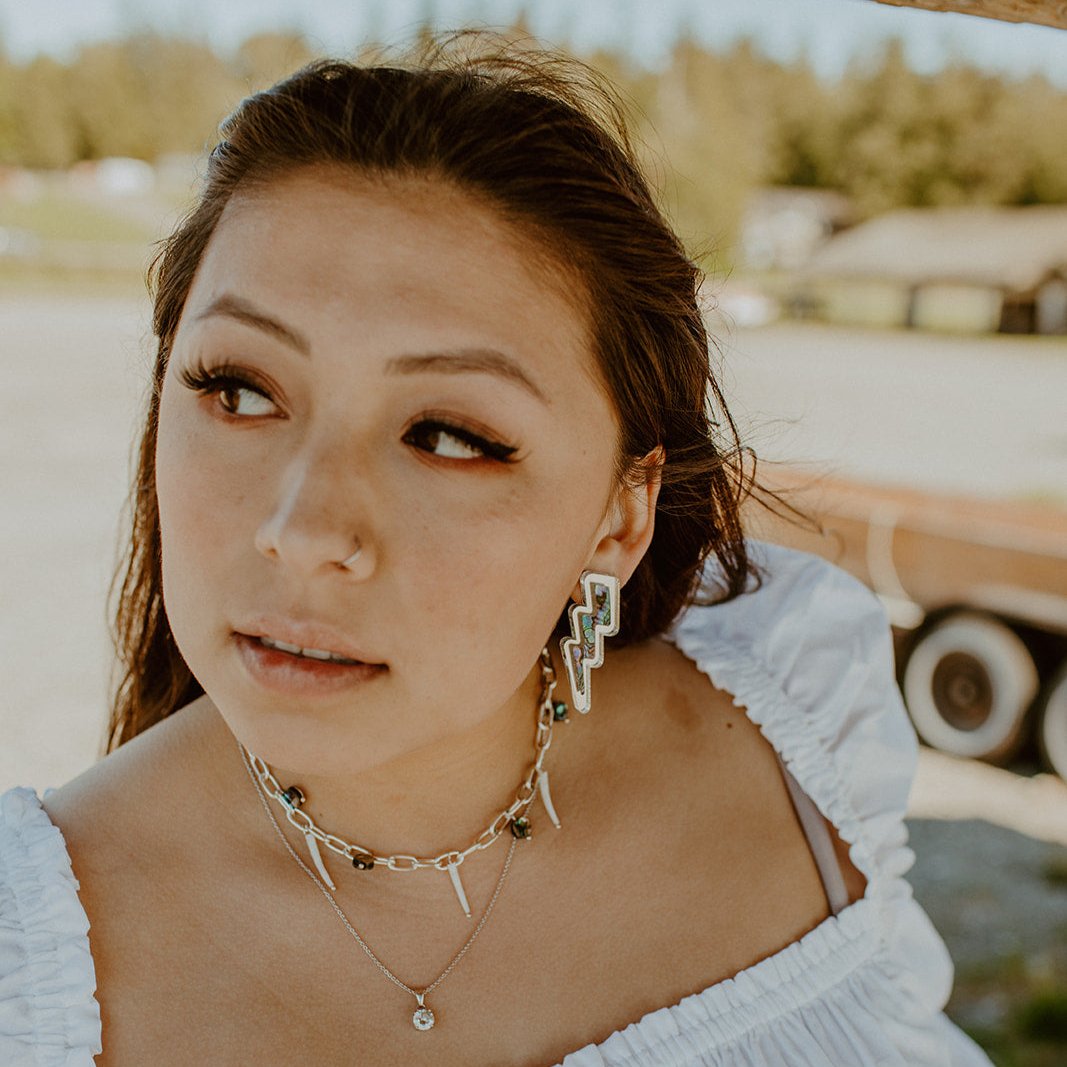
column 237, row 394
column 443, row 443
column 454, row 442
column 244, row 400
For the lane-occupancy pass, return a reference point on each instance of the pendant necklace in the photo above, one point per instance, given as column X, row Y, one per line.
column 535, row 783
column 423, row 1017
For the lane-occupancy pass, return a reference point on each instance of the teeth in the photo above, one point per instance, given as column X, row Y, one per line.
column 310, row 653
column 295, row 649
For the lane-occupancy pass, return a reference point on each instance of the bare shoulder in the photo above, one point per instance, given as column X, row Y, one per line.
column 718, row 769
column 687, row 740
column 678, row 713
column 143, row 848
column 132, row 786
column 745, row 758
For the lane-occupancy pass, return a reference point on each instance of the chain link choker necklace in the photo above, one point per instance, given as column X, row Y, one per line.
column 292, row 798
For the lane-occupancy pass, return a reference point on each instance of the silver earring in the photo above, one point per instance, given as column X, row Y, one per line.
column 352, row 559
column 594, row 619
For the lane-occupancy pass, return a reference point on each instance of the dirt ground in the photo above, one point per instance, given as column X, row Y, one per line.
column 975, row 415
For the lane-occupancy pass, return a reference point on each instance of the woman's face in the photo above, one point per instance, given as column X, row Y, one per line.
column 379, row 364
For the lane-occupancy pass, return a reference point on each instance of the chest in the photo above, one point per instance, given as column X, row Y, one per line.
column 591, row 931
column 529, row 991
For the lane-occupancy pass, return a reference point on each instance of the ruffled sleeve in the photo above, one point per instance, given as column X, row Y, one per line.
column 810, row 656
column 48, row 1014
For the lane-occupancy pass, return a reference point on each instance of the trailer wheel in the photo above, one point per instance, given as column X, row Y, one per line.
column 1052, row 722
column 968, row 684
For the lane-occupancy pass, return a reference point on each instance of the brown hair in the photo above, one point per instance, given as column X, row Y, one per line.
column 542, row 139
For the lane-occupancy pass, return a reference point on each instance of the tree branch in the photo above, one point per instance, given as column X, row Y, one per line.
column 1043, row 12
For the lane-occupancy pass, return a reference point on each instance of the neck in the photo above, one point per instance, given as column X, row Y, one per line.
column 430, row 801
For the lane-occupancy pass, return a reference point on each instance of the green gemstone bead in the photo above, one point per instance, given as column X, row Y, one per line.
column 559, row 711
column 521, row 827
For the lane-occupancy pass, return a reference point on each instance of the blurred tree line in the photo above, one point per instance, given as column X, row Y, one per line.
column 884, row 135
column 716, row 125
column 142, row 97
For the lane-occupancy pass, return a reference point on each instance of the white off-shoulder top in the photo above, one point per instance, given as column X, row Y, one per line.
column 809, row 657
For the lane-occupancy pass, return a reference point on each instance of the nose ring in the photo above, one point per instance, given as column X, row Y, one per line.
column 347, row 563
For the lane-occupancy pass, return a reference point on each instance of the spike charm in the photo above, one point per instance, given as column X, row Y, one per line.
column 546, row 799
column 316, row 858
column 457, row 885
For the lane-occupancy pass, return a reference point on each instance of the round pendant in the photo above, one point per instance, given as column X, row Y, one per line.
column 423, row 1019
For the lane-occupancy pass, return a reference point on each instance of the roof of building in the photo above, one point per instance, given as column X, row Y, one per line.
column 1006, row 248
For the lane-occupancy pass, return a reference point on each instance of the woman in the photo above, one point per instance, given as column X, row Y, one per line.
column 430, row 368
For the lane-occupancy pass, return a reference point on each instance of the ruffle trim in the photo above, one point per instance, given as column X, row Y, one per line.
column 797, row 734
column 823, row 980
column 49, row 1016
column 809, row 738
column 877, row 848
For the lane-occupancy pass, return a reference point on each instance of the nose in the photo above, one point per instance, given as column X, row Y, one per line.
column 313, row 527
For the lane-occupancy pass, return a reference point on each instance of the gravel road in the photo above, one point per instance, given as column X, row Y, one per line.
column 981, row 415
column 73, row 375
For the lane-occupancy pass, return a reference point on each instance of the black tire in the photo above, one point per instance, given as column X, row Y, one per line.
column 968, row 683
column 1052, row 722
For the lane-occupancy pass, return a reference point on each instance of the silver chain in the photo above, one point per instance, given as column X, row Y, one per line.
column 265, row 784
column 401, row 862
column 417, row 993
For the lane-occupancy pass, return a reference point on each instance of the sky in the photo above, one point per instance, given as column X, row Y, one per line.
column 829, row 32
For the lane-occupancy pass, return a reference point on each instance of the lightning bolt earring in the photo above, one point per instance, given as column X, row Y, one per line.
column 594, row 619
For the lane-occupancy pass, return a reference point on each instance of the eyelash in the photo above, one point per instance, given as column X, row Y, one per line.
column 219, row 379
column 225, row 376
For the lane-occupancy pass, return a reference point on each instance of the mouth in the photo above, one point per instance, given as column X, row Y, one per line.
column 299, row 670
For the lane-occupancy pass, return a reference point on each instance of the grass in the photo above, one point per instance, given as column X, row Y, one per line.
column 1032, row 998
column 19, row 278
column 56, row 216
column 1043, row 1017
column 80, row 245
column 1054, row 872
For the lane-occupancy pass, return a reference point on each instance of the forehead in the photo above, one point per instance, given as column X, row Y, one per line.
column 337, row 251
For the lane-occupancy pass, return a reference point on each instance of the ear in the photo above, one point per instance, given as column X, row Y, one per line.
column 631, row 521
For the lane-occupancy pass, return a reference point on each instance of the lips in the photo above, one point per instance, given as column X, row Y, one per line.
column 303, row 658
column 298, row 675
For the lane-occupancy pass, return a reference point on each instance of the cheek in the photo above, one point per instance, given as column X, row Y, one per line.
column 200, row 502
column 498, row 571
column 482, row 592
column 184, row 487
column 203, row 480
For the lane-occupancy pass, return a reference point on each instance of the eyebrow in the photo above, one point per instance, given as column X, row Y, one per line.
column 466, row 361
column 235, row 307
column 456, row 361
